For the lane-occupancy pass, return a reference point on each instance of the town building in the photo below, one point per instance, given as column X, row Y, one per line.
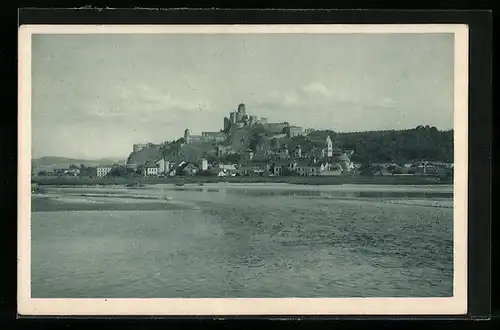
column 310, row 169
column 226, row 166
column 283, row 152
column 163, row 165
column 190, row 169
column 157, row 167
column 323, row 168
column 342, row 159
column 317, row 153
column 283, row 166
column 247, row 155
column 150, row 169
column 256, row 169
column 175, row 167
column 103, row 171
column 219, row 172
column 332, row 170
column 297, row 152
column 223, row 150
column 203, row 164
column 327, row 151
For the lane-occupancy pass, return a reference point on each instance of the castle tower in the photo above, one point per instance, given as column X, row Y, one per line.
column 138, row 147
column 227, row 124
column 186, row 135
column 329, row 147
column 242, row 110
column 232, row 117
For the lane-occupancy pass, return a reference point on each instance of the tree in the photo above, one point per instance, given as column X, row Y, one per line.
column 234, row 158
column 179, row 171
column 118, row 171
column 210, row 157
column 73, row 167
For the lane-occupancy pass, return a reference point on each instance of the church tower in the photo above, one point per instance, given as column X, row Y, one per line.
column 186, row 135
column 328, row 147
column 298, row 151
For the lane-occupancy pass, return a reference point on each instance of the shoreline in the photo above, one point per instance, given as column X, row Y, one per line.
column 53, row 203
column 201, row 180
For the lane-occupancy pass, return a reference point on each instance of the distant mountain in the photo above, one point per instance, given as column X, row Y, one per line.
column 63, row 161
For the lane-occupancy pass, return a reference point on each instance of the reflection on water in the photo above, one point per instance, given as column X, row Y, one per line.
column 246, row 242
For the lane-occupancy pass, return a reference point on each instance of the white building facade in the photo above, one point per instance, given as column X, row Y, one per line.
column 103, row 171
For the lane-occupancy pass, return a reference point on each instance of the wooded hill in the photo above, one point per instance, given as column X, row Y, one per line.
column 400, row 146
column 420, row 143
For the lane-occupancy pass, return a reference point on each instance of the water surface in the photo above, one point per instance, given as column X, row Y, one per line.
column 266, row 240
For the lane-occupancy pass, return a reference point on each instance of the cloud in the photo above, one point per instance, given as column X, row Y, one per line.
column 144, row 102
column 388, row 101
column 315, row 89
column 316, row 96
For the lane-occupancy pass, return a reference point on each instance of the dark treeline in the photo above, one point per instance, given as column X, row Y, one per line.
column 421, row 143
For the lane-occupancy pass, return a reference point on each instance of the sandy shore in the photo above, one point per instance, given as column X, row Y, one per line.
column 40, row 203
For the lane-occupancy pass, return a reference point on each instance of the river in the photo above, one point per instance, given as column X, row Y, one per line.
column 237, row 240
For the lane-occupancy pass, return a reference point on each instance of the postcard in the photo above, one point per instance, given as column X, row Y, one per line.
column 243, row 170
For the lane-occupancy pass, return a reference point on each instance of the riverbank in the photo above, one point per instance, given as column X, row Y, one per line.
column 40, row 203
column 311, row 180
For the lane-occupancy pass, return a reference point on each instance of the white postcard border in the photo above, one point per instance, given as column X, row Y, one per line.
column 242, row 306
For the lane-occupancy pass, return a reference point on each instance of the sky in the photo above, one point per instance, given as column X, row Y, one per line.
column 94, row 96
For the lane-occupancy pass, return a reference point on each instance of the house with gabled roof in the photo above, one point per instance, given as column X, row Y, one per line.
column 190, row 169
column 332, row 170
column 220, row 172
column 160, row 166
column 150, row 168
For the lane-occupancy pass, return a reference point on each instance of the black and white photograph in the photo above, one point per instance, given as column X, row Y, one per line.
column 243, row 169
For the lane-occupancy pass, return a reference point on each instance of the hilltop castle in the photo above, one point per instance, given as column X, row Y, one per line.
column 234, row 137
column 236, row 120
column 240, row 119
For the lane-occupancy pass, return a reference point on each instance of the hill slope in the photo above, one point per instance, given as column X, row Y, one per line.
column 421, row 143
